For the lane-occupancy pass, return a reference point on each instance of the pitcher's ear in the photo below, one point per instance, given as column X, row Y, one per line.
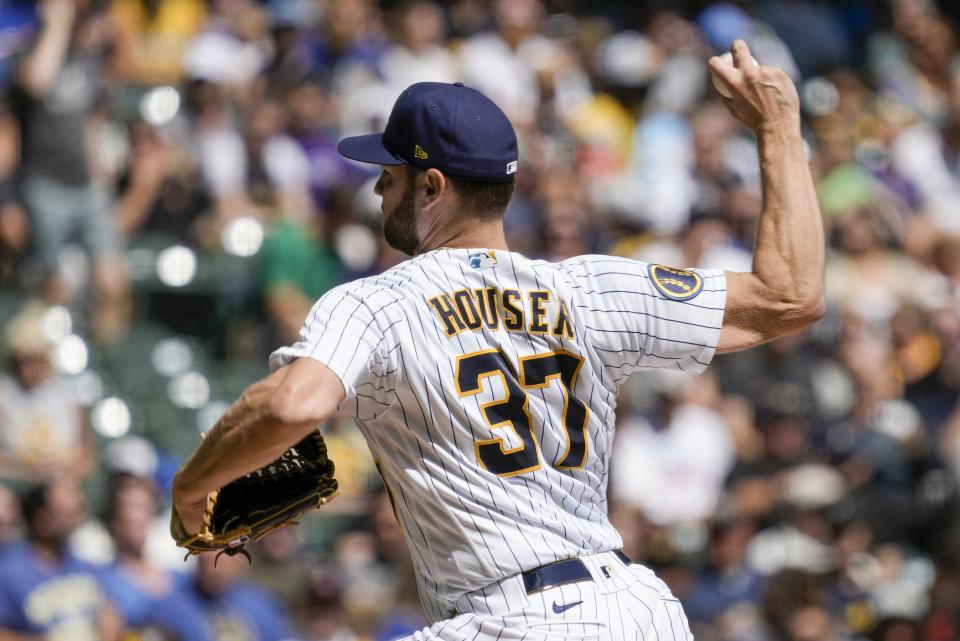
column 436, row 183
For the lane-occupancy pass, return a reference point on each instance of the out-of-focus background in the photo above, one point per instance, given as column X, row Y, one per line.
column 171, row 204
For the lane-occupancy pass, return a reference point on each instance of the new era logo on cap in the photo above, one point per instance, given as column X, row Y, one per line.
column 467, row 134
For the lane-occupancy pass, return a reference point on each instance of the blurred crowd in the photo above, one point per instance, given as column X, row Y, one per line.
column 172, row 203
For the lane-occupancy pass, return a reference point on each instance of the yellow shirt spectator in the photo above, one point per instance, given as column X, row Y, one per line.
column 157, row 32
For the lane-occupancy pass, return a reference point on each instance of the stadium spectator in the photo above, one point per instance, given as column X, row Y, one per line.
column 349, row 44
column 149, row 599
column 54, row 96
column 727, row 588
column 297, row 268
column 231, row 48
column 156, row 33
column 671, row 463
column 419, row 54
column 44, row 427
column 912, row 62
column 520, row 68
column 234, row 608
column 160, row 189
column 280, row 570
column 314, row 120
column 324, row 619
column 130, row 460
column 46, row 592
column 278, row 170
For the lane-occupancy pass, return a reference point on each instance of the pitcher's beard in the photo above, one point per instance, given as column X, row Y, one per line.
column 400, row 225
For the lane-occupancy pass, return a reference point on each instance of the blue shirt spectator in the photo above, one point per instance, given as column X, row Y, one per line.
column 43, row 589
column 61, row 599
column 235, row 608
column 148, row 598
column 163, row 606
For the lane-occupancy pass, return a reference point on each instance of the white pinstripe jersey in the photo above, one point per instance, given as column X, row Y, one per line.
column 485, row 384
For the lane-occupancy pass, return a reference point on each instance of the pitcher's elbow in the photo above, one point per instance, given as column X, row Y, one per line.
column 796, row 313
column 809, row 310
column 282, row 407
column 287, row 409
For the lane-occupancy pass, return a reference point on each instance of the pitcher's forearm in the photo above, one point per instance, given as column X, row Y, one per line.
column 789, row 255
column 271, row 416
column 245, row 438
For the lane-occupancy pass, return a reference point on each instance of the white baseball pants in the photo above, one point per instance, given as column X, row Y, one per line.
column 621, row 603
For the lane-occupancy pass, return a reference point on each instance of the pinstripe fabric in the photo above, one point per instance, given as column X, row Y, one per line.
column 468, row 522
column 629, row 604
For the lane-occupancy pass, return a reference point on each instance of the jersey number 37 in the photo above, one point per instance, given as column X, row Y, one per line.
column 535, row 372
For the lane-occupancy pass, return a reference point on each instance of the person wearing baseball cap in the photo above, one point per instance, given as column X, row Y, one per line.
column 485, row 381
column 446, row 149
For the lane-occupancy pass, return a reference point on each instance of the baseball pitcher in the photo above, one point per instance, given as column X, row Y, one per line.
column 485, row 382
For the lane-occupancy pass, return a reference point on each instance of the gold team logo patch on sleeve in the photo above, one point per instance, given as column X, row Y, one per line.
column 675, row 284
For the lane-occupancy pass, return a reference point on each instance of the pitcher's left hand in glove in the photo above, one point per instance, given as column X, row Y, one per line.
column 259, row 502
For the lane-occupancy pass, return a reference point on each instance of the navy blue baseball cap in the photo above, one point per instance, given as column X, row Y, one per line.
column 452, row 128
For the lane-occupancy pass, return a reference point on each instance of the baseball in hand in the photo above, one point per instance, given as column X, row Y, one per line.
column 722, row 88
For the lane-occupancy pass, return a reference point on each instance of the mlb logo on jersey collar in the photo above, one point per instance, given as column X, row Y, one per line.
column 479, row 260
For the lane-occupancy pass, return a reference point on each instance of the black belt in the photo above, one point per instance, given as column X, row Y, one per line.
column 560, row 573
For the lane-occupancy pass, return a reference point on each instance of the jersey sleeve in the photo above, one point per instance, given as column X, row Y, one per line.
column 343, row 332
column 644, row 316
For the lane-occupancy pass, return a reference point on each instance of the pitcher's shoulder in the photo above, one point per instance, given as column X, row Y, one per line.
column 386, row 282
column 597, row 262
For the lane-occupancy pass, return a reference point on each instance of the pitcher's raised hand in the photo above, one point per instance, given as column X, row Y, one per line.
column 762, row 97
